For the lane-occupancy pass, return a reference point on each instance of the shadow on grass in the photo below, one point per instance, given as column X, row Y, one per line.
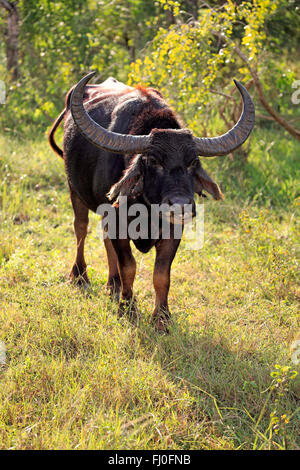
column 232, row 388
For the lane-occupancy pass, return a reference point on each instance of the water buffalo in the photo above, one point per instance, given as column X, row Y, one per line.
column 126, row 141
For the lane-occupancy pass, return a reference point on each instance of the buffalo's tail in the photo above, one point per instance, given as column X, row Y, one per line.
column 52, row 142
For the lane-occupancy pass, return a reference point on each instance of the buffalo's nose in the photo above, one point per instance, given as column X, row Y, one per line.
column 179, row 200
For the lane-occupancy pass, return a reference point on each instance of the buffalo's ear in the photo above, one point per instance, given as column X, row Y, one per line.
column 132, row 182
column 203, row 181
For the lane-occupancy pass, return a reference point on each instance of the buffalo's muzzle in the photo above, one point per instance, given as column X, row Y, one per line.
column 179, row 209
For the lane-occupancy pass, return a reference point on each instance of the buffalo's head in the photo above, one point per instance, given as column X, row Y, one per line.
column 165, row 167
column 169, row 172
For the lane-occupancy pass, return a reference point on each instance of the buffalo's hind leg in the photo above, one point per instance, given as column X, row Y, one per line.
column 81, row 220
column 127, row 270
column 114, row 281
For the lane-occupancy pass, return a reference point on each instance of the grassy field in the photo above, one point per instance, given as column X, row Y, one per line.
column 77, row 377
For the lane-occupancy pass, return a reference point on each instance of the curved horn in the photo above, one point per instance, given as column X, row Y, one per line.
column 98, row 135
column 233, row 139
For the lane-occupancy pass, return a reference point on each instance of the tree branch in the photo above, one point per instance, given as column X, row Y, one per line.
column 258, row 85
column 215, row 92
column 7, row 5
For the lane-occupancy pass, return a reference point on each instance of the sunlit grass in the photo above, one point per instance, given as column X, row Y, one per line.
column 78, row 377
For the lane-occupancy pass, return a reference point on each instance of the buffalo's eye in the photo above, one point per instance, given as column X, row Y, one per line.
column 154, row 163
column 192, row 164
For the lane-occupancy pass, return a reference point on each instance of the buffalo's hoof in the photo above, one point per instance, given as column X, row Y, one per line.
column 160, row 321
column 129, row 308
column 79, row 276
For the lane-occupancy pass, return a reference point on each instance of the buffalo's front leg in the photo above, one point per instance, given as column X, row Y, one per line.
column 127, row 270
column 165, row 252
column 81, row 220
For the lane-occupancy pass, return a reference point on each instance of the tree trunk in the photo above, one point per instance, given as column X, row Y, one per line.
column 12, row 38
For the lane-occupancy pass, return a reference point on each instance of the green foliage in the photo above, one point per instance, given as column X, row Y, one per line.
column 60, row 41
column 172, row 50
column 193, row 66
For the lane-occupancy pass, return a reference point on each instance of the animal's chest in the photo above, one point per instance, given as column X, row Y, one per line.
column 139, row 225
column 144, row 245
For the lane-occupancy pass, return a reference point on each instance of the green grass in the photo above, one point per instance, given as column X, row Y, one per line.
column 77, row 377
